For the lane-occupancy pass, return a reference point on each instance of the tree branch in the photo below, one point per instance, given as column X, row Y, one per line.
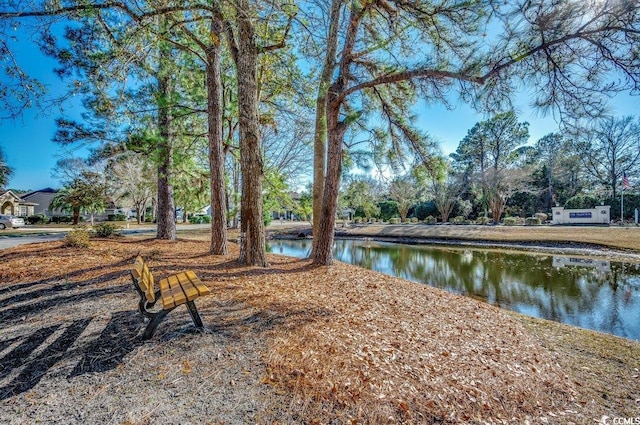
column 409, row 75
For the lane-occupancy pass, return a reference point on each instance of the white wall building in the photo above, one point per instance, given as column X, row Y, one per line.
column 598, row 215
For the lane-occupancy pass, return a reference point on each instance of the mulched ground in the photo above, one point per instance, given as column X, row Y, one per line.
column 289, row 344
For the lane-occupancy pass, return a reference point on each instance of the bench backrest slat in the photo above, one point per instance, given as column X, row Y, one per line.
column 144, row 279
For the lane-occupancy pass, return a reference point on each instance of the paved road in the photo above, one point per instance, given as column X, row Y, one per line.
column 51, row 235
column 10, row 241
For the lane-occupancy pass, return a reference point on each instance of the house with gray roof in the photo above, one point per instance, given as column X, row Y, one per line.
column 13, row 204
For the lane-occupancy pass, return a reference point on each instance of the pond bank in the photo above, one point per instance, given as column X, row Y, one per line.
column 615, row 243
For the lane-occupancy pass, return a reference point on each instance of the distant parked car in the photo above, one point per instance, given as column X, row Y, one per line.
column 10, row 221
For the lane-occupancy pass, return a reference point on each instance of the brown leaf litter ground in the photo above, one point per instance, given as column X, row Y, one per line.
column 292, row 343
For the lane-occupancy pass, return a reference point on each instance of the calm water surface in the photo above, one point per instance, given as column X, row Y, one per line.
column 593, row 294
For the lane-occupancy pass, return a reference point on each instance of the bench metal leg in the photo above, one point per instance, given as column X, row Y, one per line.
column 153, row 324
column 156, row 318
column 193, row 312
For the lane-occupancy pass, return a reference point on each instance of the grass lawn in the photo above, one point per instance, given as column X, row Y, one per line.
column 623, row 238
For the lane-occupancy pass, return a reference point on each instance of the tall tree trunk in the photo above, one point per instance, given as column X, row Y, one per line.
column 166, row 223
column 322, row 254
column 319, row 162
column 336, row 129
column 320, row 135
column 216, row 154
column 252, row 233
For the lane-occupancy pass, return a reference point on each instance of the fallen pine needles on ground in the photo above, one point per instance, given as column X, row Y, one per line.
column 292, row 343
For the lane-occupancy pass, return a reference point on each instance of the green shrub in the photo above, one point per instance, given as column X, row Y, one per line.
column 458, row 220
column 78, row 238
column 532, row 221
column 541, row 216
column 509, row 221
column 512, row 221
column 423, row 210
column 61, row 219
column 105, row 230
column 37, row 219
column 482, row 220
column 413, row 219
column 204, row 219
column 394, row 220
column 116, row 217
column 430, row 219
column 388, row 209
column 357, row 220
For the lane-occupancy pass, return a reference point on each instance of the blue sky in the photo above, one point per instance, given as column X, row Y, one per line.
column 27, row 141
column 30, row 151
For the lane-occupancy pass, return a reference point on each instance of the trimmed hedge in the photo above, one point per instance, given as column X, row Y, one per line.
column 37, row 219
column 541, row 216
column 61, row 219
column 513, row 221
column 532, row 221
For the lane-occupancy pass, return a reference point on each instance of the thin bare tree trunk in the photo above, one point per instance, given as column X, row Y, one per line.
column 252, row 233
column 216, row 154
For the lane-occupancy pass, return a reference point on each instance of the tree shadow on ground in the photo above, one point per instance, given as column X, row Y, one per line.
column 59, row 288
column 106, row 352
column 25, row 311
column 34, row 368
column 116, row 340
column 67, row 277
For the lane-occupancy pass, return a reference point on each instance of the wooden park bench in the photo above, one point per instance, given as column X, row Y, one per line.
column 175, row 290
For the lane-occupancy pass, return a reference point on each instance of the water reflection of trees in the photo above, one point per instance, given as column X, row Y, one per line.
column 582, row 296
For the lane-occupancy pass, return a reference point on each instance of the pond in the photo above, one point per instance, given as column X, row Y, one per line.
column 589, row 293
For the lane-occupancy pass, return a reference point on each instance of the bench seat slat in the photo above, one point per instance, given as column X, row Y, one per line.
column 166, row 294
column 197, row 283
column 165, row 290
column 190, row 291
column 173, row 295
column 178, row 294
